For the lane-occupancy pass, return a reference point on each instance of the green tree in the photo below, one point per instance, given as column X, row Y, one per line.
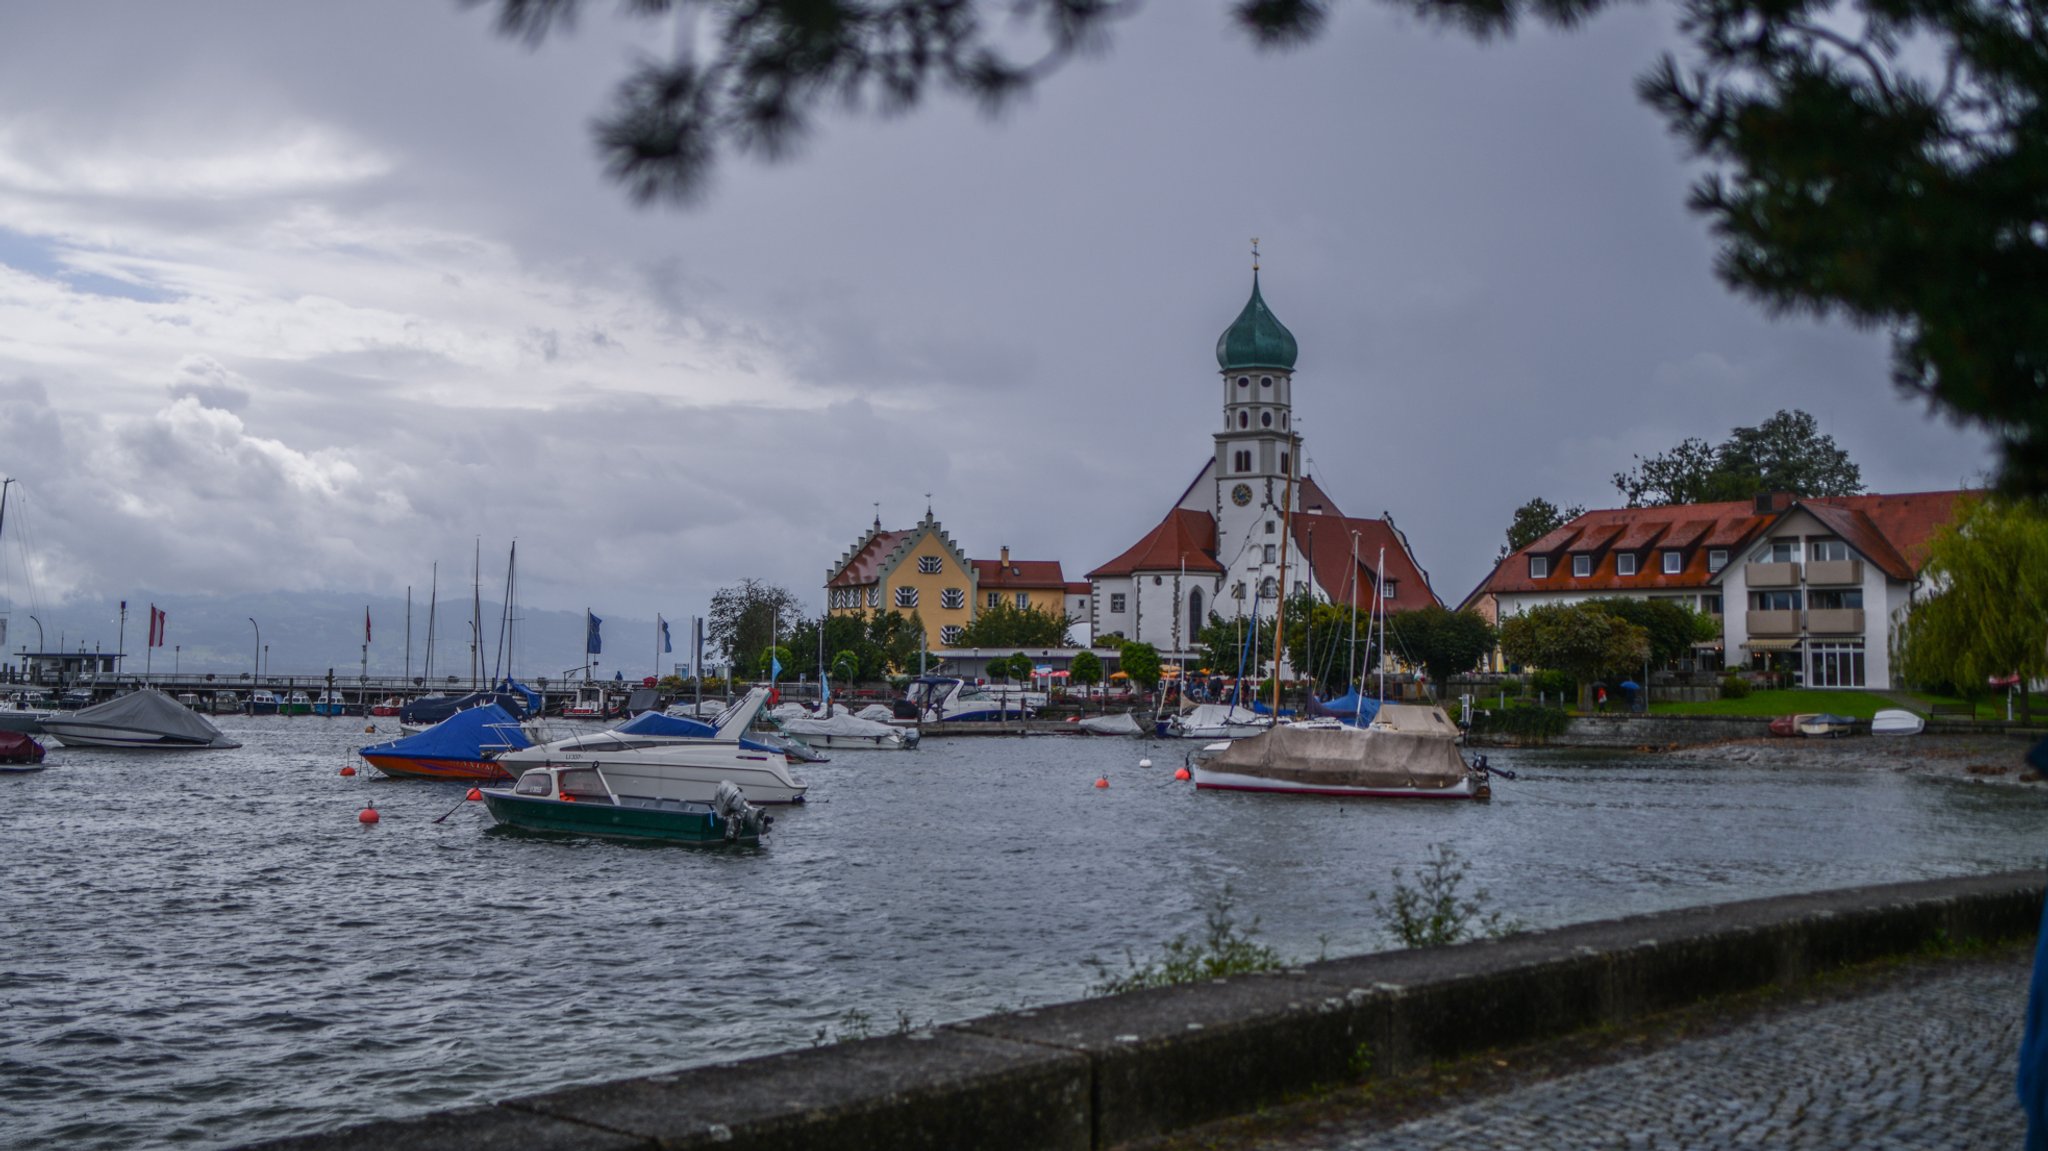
column 1006, row 625
column 1534, row 520
column 1671, row 627
column 1319, row 645
column 746, row 617
column 1442, row 642
column 1229, row 644
column 1786, row 453
column 846, row 666
column 1991, row 617
column 1877, row 159
column 1086, row 670
column 775, row 656
column 1579, row 640
column 1140, row 661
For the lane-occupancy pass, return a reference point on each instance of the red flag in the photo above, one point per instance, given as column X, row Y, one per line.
column 157, row 620
column 366, row 625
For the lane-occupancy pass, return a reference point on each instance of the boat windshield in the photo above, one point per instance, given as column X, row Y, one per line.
column 533, row 783
column 583, row 783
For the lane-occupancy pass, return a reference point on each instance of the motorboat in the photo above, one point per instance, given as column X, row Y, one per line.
column 225, row 703
column 19, row 754
column 513, row 697
column 263, row 702
column 949, row 699
column 1827, row 726
column 841, row 729
column 389, row 705
column 329, row 703
column 1409, row 751
column 1115, row 723
column 590, row 702
column 1213, row 721
column 1896, row 721
column 467, row 746
column 595, row 800
column 26, row 712
column 639, row 758
column 297, row 703
column 188, row 699
column 1789, row 725
column 146, row 718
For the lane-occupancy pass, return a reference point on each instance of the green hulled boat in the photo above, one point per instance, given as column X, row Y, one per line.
column 580, row 801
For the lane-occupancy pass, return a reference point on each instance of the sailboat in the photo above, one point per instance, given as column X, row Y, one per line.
column 1407, row 751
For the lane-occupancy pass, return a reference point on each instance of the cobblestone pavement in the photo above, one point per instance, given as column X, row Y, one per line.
column 1926, row 1065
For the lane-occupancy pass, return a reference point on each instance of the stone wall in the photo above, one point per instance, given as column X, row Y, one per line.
column 1622, row 730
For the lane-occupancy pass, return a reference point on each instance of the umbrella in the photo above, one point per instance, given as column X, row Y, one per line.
column 1630, row 685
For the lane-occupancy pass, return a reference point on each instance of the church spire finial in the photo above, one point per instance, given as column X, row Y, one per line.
column 878, row 515
column 1255, row 254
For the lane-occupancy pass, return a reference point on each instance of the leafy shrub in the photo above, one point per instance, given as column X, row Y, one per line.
column 1434, row 912
column 1734, row 687
column 1554, row 684
column 1227, row 950
column 1522, row 720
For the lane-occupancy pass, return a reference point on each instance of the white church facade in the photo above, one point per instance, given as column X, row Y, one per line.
column 1219, row 548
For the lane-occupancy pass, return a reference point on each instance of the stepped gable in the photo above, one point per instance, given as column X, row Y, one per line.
column 1183, row 537
column 862, row 564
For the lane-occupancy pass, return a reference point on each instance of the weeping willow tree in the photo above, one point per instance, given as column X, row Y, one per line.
column 1989, row 618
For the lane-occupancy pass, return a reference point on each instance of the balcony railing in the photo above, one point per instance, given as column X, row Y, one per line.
column 1836, row 620
column 1771, row 575
column 1773, row 622
column 1833, row 572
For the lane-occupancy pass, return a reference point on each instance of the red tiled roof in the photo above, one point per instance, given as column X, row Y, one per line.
column 1890, row 531
column 865, row 565
column 1639, row 535
column 991, row 574
column 1313, row 497
column 1687, row 534
column 1080, row 587
column 1183, row 537
column 1325, row 542
column 1595, row 537
column 1553, row 539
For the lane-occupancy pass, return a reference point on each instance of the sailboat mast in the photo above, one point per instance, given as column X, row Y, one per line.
column 1379, row 600
column 1280, row 596
column 408, row 631
column 476, row 616
column 505, row 618
column 433, row 600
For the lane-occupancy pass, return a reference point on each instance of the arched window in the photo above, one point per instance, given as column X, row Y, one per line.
column 1244, row 419
column 1265, row 419
column 1195, row 612
column 1267, row 587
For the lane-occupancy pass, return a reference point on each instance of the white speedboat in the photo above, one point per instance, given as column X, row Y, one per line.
column 949, row 699
column 1407, row 752
column 654, row 755
column 1214, row 721
column 842, row 729
column 141, row 719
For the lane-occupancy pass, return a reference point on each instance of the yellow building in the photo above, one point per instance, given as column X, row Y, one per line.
column 919, row 570
column 1039, row 584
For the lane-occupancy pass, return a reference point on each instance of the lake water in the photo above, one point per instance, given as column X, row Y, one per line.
column 206, row 948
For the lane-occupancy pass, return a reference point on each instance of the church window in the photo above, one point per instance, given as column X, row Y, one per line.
column 950, row 634
column 930, row 565
column 1283, row 465
column 1270, row 550
column 953, row 597
column 1267, row 587
column 1269, row 527
column 906, row 597
column 1265, row 381
column 1195, row 611
column 1244, row 381
column 1265, row 419
column 1283, row 420
column 1116, row 603
column 874, row 595
column 1244, row 419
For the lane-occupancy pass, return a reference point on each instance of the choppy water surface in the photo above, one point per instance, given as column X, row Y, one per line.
column 207, row 948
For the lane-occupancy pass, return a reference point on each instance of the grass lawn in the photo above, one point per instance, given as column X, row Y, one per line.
column 1991, row 706
column 1789, row 701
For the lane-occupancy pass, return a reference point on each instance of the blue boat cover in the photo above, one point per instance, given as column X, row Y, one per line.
column 1350, row 708
column 659, row 723
column 515, row 697
column 464, row 735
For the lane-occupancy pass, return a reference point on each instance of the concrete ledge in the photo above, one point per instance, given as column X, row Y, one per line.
column 1098, row 1072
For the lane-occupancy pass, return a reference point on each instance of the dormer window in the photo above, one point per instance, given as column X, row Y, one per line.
column 1717, row 558
column 1674, row 562
column 1625, row 563
column 1539, row 567
column 1582, row 566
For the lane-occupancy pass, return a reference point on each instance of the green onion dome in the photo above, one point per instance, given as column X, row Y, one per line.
column 1256, row 339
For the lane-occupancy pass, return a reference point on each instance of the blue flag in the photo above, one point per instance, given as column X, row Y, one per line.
column 664, row 633
column 774, row 668
column 592, row 645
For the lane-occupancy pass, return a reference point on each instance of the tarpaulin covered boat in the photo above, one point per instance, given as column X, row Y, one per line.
column 141, row 719
column 465, row 746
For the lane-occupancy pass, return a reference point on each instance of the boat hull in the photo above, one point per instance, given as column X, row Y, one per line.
column 1207, row 780
column 76, row 735
column 425, row 767
column 669, row 821
column 684, row 773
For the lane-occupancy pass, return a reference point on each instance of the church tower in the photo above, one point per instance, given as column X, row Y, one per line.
column 1257, row 452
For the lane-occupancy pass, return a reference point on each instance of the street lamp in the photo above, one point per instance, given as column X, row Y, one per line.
column 39, row 632
column 256, row 653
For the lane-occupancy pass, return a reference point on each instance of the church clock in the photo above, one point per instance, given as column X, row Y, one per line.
column 1241, row 495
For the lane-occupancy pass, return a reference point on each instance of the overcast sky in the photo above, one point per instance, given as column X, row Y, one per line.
column 306, row 296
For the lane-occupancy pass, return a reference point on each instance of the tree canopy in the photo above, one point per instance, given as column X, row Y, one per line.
column 745, row 618
column 1670, row 627
column 1140, row 661
column 1786, row 453
column 1880, row 160
column 1579, row 640
column 1442, row 642
column 1006, row 625
column 1990, row 618
column 1536, row 519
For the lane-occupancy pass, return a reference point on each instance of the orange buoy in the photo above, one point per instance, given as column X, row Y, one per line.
column 475, row 793
column 370, row 729
column 1182, row 774
column 368, row 814
column 348, row 769
column 1102, row 781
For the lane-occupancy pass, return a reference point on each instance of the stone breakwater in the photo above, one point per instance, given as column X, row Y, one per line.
column 1095, row 1073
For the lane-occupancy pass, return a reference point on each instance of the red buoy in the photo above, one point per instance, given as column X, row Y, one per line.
column 368, row 814
column 1102, row 781
column 348, row 769
column 475, row 793
column 1182, row 774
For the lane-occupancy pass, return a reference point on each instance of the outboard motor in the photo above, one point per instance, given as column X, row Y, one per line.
column 731, row 806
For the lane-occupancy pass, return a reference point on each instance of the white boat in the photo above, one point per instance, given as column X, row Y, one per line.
column 141, row 719
column 1409, row 752
column 1116, row 723
column 842, row 729
column 651, row 755
column 949, row 699
column 590, row 702
column 1895, row 721
column 1214, row 721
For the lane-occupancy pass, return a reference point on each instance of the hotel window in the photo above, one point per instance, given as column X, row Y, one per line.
column 1116, row 603
column 1824, row 550
column 1539, row 567
column 953, row 597
column 950, row 634
column 1717, row 558
column 1834, row 665
column 1774, row 601
column 1582, row 566
column 930, row 565
column 1674, row 562
column 995, row 599
column 1023, row 600
column 1624, row 563
column 1778, row 552
column 1711, row 604
column 874, row 595
column 1837, row 600
column 906, row 597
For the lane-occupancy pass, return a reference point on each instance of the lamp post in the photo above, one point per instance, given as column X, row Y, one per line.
column 256, row 653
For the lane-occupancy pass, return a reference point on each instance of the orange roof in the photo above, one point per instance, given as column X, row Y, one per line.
column 864, row 566
column 1080, row 587
column 1183, row 538
column 1325, row 542
column 992, row 574
column 1639, row 535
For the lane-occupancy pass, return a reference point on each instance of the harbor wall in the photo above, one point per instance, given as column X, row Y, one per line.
column 1098, row 1072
